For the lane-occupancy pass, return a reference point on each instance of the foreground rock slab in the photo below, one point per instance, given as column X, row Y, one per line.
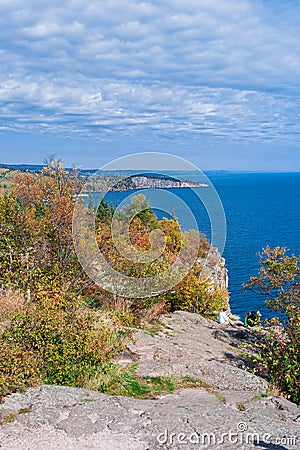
column 60, row 417
column 231, row 413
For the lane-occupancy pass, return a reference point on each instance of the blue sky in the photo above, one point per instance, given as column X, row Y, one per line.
column 214, row 81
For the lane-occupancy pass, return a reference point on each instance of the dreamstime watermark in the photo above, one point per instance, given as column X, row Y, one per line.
column 240, row 436
column 159, row 167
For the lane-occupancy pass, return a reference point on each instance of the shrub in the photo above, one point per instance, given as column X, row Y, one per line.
column 197, row 296
column 280, row 355
column 56, row 345
column 19, row 368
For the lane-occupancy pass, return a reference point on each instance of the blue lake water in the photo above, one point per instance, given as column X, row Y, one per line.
column 261, row 209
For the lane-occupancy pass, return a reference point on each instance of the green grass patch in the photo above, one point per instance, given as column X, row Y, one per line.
column 24, row 410
column 220, row 396
column 10, row 418
column 115, row 380
column 259, row 397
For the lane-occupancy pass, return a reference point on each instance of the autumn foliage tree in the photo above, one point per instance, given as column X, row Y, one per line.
column 36, row 224
column 279, row 281
column 13, row 235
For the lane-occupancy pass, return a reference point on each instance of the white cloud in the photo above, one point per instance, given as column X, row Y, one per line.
column 226, row 68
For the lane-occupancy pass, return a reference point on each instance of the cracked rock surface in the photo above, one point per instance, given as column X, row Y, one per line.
column 231, row 414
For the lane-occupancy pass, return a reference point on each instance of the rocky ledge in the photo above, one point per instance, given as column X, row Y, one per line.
column 232, row 411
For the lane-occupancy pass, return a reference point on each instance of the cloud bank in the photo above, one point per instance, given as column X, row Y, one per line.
column 161, row 68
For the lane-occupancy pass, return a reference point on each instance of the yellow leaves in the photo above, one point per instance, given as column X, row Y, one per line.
column 195, row 295
column 36, row 228
column 273, row 254
column 18, row 367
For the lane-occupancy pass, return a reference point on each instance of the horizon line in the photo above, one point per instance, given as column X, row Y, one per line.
column 40, row 166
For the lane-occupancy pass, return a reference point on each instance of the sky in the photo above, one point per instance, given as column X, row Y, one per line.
column 214, row 81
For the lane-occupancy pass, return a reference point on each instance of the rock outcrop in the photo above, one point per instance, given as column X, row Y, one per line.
column 214, row 269
column 232, row 411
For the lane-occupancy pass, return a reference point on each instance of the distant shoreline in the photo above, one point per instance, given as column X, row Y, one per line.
column 39, row 167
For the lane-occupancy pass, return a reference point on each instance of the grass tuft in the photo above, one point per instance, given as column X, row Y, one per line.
column 115, row 380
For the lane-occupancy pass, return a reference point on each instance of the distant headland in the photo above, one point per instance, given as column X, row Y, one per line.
column 118, row 181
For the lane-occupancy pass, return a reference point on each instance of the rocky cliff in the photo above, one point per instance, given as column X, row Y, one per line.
column 215, row 271
column 155, row 182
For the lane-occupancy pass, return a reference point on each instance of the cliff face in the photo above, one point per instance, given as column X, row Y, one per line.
column 148, row 182
column 215, row 271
